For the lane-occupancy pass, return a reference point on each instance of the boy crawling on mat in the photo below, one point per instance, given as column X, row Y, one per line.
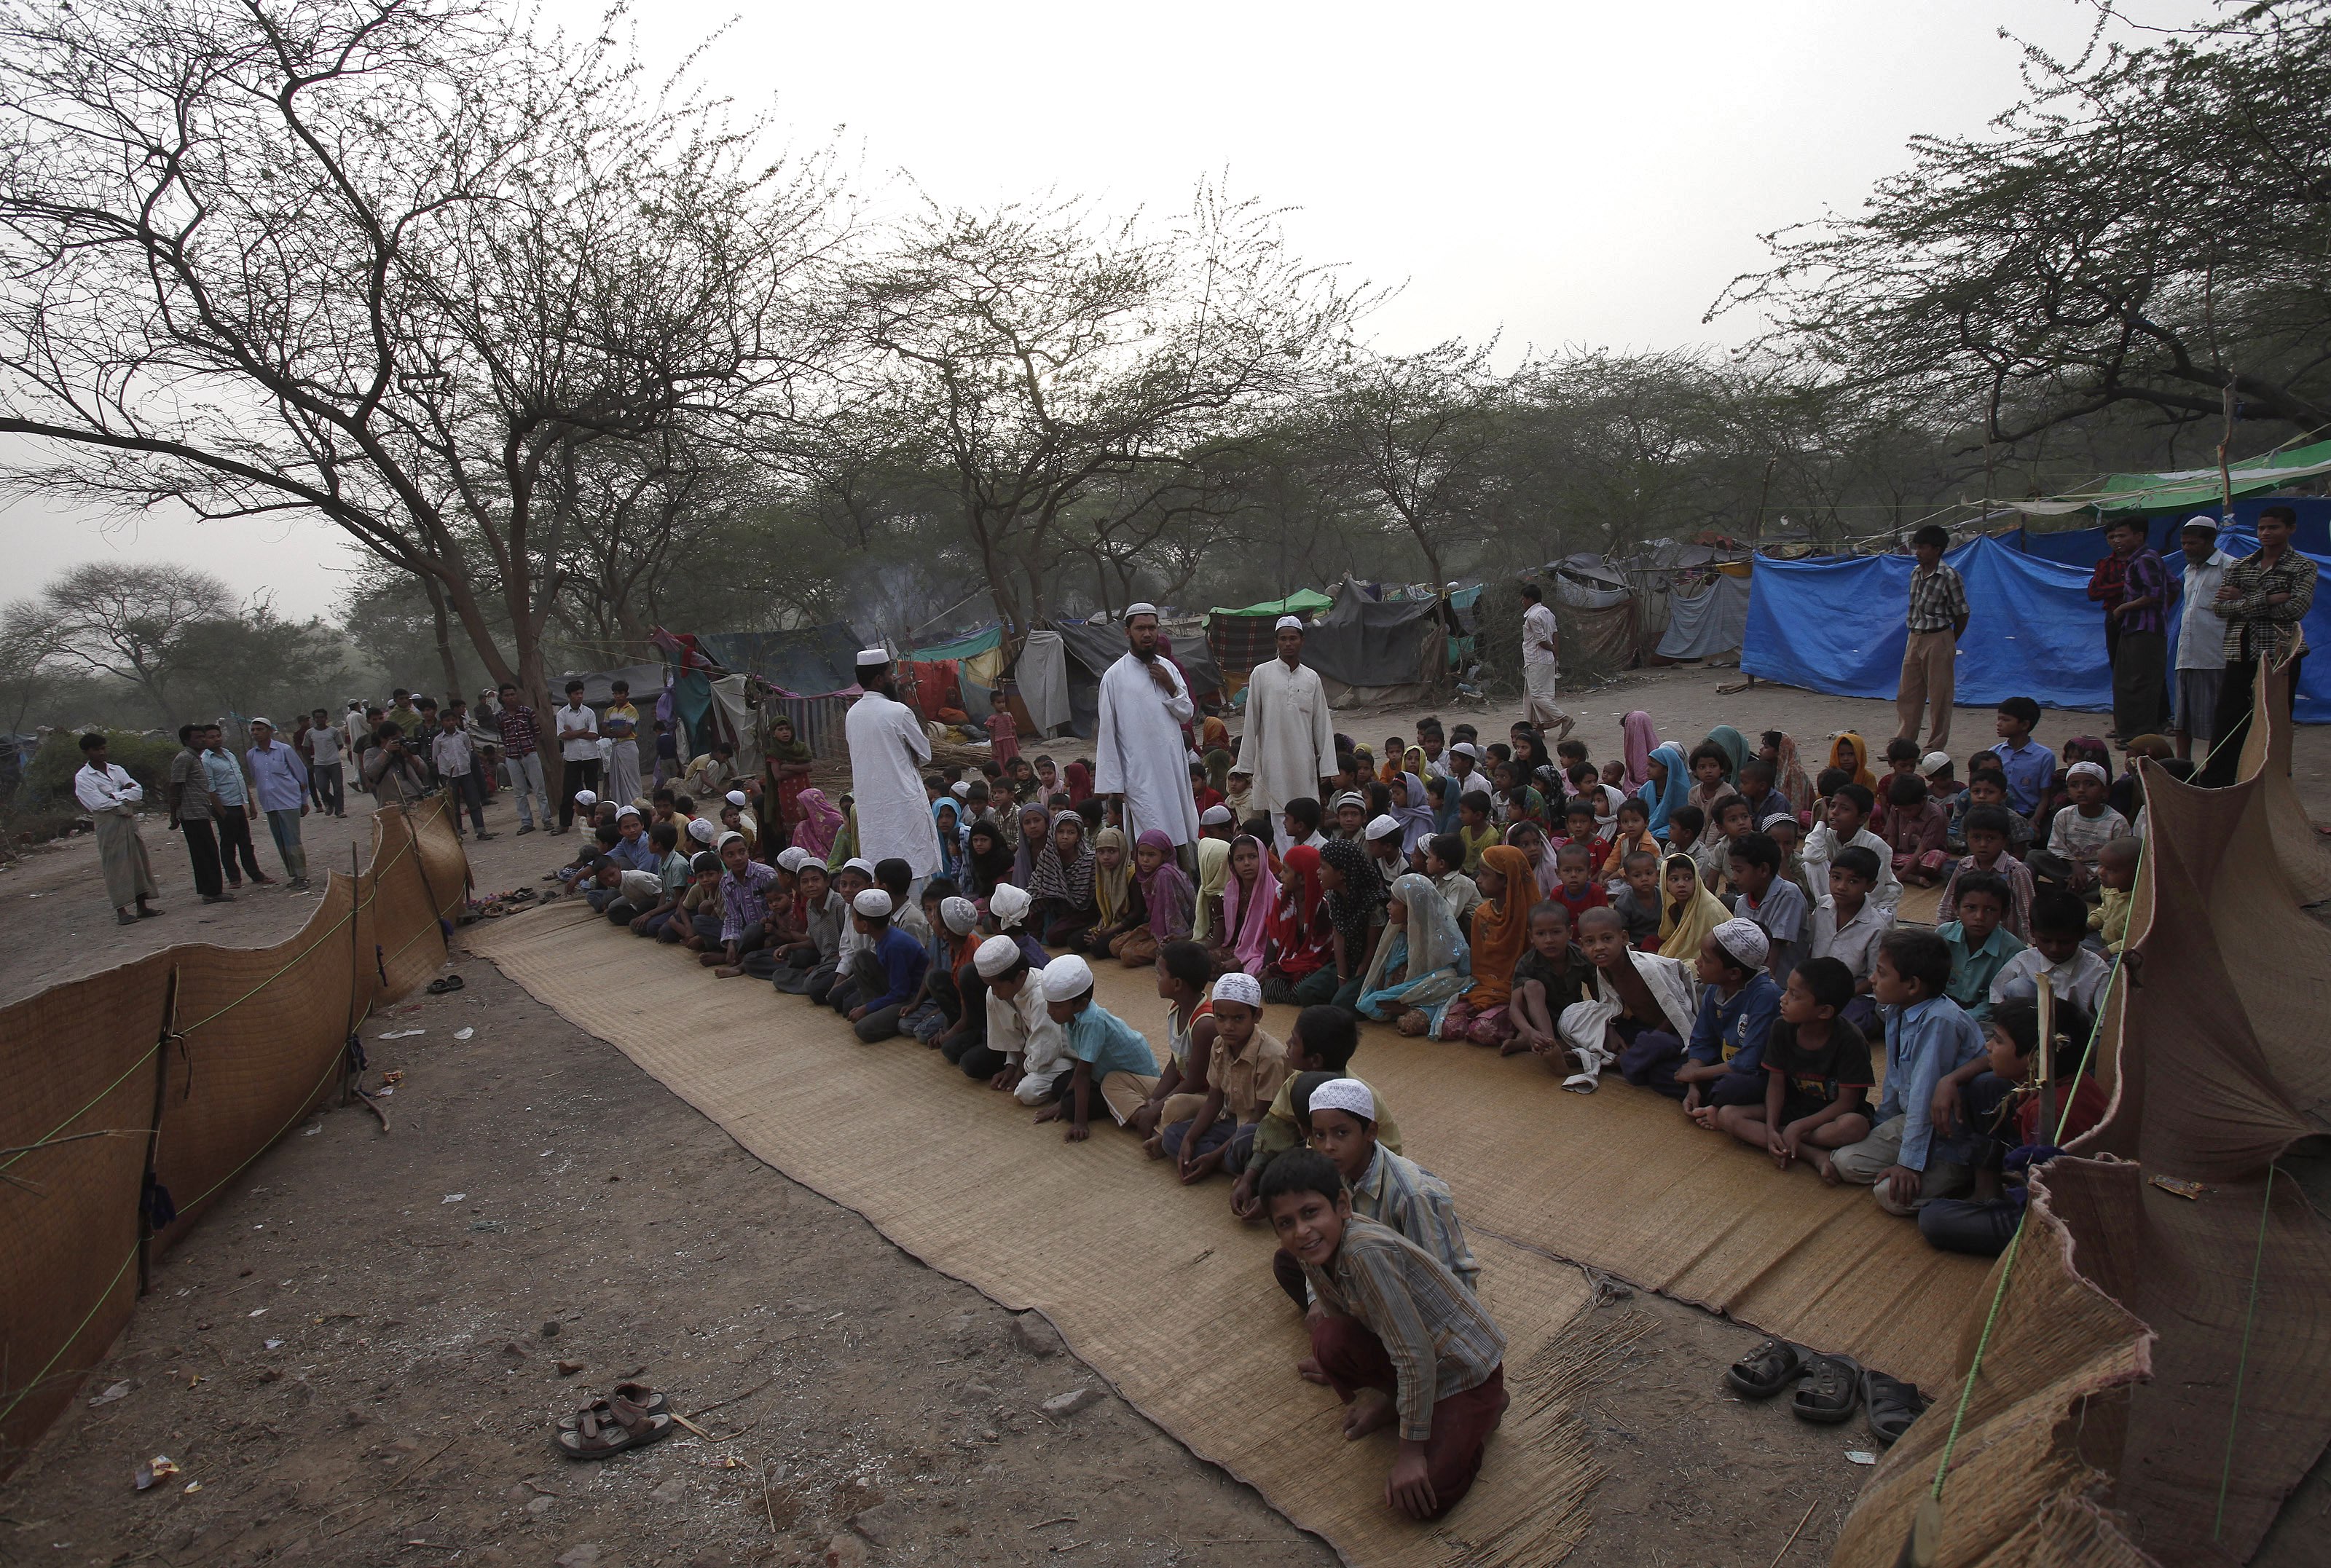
column 1401, row 1340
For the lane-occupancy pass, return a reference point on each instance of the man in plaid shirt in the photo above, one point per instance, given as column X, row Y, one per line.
column 2263, row 600
column 1939, row 619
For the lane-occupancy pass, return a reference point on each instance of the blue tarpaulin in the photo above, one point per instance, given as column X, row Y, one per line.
column 2086, row 547
column 1837, row 626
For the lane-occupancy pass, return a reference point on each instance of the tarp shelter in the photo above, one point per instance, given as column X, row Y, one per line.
column 1708, row 621
column 810, row 662
column 1836, row 625
column 2188, row 489
column 2086, row 547
column 1092, row 646
column 1372, row 651
column 1600, row 613
column 1242, row 638
column 1042, row 676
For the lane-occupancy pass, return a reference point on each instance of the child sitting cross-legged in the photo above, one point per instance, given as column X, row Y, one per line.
column 1722, row 1062
column 1641, row 999
column 1100, row 1043
column 1321, row 1042
column 1553, row 975
column 1817, row 1075
column 1401, row 1339
column 1909, row 1158
column 1420, row 964
column 887, row 977
column 1245, row 1066
column 1183, row 970
column 1981, row 944
column 1025, row 1053
column 1988, row 829
column 2004, row 1105
column 1338, row 1118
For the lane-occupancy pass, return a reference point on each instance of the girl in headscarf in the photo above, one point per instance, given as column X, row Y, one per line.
column 1441, row 792
column 1780, row 749
column 1217, row 764
column 1239, row 795
column 945, row 817
column 1080, row 777
column 1530, row 840
column 1411, row 808
column 1733, row 745
column 1117, row 898
column 987, row 863
column 1639, row 737
column 1849, row 752
column 1240, row 941
column 1500, row 932
column 845, row 843
column 1166, row 895
column 818, row 821
column 785, row 778
column 1688, row 910
column 1666, row 784
column 1213, row 875
column 1036, row 826
column 1302, row 943
column 1061, row 885
column 1215, row 736
column 1356, row 893
column 1420, row 966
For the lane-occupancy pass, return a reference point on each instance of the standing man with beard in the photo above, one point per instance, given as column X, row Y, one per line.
column 1140, row 756
column 888, row 754
column 1288, row 746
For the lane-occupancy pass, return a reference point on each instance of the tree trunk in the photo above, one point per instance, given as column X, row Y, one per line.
column 444, row 627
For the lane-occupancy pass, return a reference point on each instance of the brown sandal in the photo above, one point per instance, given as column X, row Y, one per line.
column 654, row 1402
column 611, row 1426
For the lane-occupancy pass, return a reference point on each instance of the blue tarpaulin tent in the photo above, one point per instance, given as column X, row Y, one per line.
column 2086, row 547
column 1837, row 626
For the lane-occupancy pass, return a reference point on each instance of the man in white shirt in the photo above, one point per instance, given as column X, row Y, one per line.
column 1541, row 656
column 578, row 750
column 457, row 766
column 887, row 752
column 1288, row 746
column 111, row 796
column 1139, row 756
column 2200, row 635
column 328, row 752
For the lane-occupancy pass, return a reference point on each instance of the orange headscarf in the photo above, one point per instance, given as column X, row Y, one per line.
column 1850, row 752
column 1501, row 928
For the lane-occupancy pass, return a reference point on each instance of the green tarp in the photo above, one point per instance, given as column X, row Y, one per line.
column 2186, row 490
column 970, row 647
column 1303, row 601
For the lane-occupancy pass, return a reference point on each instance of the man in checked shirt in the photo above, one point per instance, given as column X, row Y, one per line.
column 2263, row 599
column 1398, row 1337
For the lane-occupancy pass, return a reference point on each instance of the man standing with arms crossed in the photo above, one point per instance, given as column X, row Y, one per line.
column 1139, row 756
column 1288, row 744
column 1939, row 619
column 888, row 754
column 2264, row 599
column 1541, row 662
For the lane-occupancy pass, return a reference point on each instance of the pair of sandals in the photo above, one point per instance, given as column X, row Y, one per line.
column 1828, row 1388
column 444, row 984
column 631, row 1416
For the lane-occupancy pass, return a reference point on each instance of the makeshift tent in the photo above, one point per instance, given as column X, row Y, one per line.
column 1243, row 638
column 2188, row 489
column 1042, row 676
column 809, row 663
column 599, row 685
column 1601, row 616
column 1705, row 624
column 1092, row 646
column 1369, row 650
column 2085, row 547
column 1836, row 625
column 1305, row 601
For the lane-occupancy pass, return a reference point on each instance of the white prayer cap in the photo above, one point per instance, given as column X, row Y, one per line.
column 1143, row 608
column 1467, row 748
column 1777, row 818
column 995, row 955
column 1348, row 798
column 859, row 864
column 873, row 903
column 1067, row 976
column 735, row 798
column 1347, row 1095
column 960, row 790
column 2201, row 520
column 256, row 722
column 1008, row 904
column 1244, row 989
column 872, row 658
column 623, row 811
column 1214, row 817
column 699, row 830
column 1288, row 624
column 791, row 856
column 1383, row 827
column 586, row 798
column 2084, row 770
column 1932, row 762
column 1744, row 940
column 960, row 915
column 727, row 839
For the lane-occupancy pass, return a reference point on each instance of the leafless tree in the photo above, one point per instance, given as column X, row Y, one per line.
column 130, row 621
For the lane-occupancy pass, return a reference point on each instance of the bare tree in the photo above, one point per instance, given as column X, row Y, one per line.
column 131, row 622
column 1419, row 432
column 384, row 261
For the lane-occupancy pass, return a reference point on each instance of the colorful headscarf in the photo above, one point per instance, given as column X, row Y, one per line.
column 1299, row 938
column 1501, row 927
column 1033, row 844
column 1247, row 909
column 1640, row 738
column 1416, row 820
column 1111, row 886
column 1733, row 745
column 950, row 834
column 1849, row 751
column 1684, row 924
column 1352, row 908
column 820, row 822
column 1663, row 801
column 1069, row 880
column 1789, row 774
column 1213, row 872
column 1079, row 776
column 1165, row 892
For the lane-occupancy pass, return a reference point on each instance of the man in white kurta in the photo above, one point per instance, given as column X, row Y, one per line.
column 1141, row 754
column 1288, row 746
column 1541, row 665
column 888, row 754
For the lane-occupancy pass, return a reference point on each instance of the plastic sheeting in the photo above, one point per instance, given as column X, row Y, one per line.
column 1043, row 677
column 2085, row 547
column 1704, row 624
column 1837, row 626
column 809, row 663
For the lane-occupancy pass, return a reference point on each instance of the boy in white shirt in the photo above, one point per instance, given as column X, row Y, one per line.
column 1849, row 812
column 2075, row 971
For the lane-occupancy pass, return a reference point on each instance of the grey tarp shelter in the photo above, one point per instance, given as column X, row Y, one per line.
column 1092, row 646
column 1709, row 621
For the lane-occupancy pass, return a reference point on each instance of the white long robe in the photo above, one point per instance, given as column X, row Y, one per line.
column 1140, row 752
column 888, row 754
column 1288, row 744
column 1583, row 1024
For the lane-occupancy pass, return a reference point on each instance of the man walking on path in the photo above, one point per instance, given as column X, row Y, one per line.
column 237, row 853
column 578, row 748
column 888, row 754
column 2200, row 635
column 2140, row 669
column 280, row 781
column 521, row 748
column 2263, row 599
column 1140, row 756
column 1541, row 663
column 111, row 796
column 328, row 765
column 1288, row 746
column 1938, row 620
column 194, row 813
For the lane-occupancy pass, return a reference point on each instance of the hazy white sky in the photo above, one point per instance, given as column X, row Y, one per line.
column 1560, row 174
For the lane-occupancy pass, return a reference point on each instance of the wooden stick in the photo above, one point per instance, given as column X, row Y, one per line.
column 733, row 1398
column 2046, row 1062
column 1793, row 1535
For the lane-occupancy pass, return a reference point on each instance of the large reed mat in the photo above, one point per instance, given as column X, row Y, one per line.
column 1124, row 1259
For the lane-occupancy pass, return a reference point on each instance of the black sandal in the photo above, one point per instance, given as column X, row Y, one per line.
column 1829, row 1392
column 1893, row 1405
column 445, row 984
column 1766, row 1370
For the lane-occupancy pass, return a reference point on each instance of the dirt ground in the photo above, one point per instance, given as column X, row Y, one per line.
column 348, row 1354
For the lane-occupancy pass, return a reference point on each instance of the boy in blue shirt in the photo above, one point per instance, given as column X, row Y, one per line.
column 2030, row 767
column 1101, row 1043
column 889, row 968
column 1724, row 1062
column 1909, row 1159
column 1980, row 943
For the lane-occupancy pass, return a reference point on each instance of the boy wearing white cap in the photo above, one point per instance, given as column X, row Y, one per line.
column 1024, row 1051
column 887, row 974
column 2078, row 832
column 1244, row 1067
column 1723, row 1063
column 1394, row 1191
column 1381, row 838
column 1100, row 1043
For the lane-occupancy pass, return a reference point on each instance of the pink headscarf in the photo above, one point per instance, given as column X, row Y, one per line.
column 814, row 834
column 1640, row 738
column 1247, row 916
column 1165, row 891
